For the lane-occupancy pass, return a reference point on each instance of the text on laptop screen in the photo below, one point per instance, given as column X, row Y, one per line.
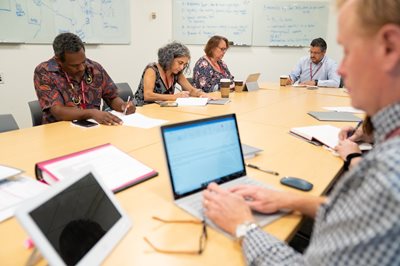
column 201, row 152
column 76, row 219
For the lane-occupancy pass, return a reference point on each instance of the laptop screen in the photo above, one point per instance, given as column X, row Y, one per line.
column 74, row 220
column 202, row 151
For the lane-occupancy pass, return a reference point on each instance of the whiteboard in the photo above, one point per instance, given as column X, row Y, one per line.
column 289, row 23
column 195, row 21
column 39, row 21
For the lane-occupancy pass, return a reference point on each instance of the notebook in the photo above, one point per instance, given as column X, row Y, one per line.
column 325, row 134
column 118, row 169
column 221, row 101
column 335, row 116
column 203, row 151
column 251, row 83
column 77, row 222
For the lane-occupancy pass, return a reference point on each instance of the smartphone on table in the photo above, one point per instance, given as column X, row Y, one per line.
column 84, row 123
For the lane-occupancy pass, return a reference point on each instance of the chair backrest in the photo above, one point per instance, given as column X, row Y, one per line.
column 36, row 113
column 124, row 91
column 7, row 123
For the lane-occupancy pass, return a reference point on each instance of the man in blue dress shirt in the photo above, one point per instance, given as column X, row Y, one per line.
column 316, row 69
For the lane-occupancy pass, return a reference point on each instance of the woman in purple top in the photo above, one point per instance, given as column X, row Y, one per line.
column 210, row 68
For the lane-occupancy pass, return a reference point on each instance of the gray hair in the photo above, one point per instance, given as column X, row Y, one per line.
column 67, row 42
column 169, row 52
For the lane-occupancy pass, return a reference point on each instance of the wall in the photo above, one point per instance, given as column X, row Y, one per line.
column 126, row 62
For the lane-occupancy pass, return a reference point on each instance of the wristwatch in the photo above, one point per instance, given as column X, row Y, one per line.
column 316, row 82
column 244, row 228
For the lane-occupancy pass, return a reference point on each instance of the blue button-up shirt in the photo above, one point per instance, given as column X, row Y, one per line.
column 325, row 72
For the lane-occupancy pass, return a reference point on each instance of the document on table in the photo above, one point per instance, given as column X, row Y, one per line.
column 15, row 190
column 192, row 101
column 348, row 109
column 139, row 120
column 6, row 172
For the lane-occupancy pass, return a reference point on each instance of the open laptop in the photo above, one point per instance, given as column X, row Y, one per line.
column 76, row 222
column 251, row 83
column 203, row 151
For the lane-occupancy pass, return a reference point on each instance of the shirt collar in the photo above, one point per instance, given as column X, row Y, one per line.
column 320, row 62
column 53, row 65
column 385, row 121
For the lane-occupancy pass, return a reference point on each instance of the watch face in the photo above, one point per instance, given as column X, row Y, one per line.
column 242, row 229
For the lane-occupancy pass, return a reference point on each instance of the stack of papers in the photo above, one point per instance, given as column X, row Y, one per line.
column 139, row 120
column 15, row 189
column 6, row 172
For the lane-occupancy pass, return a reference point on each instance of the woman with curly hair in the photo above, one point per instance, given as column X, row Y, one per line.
column 159, row 79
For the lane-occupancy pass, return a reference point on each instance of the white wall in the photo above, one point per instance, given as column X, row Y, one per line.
column 126, row 62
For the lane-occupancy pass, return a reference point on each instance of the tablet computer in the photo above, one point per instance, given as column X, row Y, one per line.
column 76, row 222
column 251, row 83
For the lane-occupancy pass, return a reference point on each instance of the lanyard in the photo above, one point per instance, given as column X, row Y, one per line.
column 217, row 67
column 311, row 74
column 81, row 101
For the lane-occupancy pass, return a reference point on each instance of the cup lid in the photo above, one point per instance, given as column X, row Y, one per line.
column 224, row 80
column 284, row 76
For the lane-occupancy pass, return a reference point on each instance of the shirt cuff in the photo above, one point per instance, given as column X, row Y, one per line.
column 261, row 248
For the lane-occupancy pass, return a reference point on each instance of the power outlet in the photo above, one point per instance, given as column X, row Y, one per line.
column 1, row 78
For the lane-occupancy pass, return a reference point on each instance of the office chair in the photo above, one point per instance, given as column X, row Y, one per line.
column 7, row 123
column 341, row 84
column 124, row 91
column 36, row 113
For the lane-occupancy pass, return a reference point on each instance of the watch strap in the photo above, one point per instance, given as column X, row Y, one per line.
column 350, row 157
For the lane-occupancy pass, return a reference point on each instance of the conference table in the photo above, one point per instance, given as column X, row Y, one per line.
column 264, row 117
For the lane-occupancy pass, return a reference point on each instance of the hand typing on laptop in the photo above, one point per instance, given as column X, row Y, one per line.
column 231, row 208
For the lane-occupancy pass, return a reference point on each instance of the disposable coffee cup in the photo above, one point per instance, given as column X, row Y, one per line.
column 283, row 80
column 239, row 84
column 225, row 87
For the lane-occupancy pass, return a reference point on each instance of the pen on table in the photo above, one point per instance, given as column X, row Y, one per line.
column 351, row 133
column 127, row 103
column 263, row 170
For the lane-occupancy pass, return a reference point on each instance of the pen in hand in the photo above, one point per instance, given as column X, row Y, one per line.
column 351, row 133
column 263, row 170
column 127, row 103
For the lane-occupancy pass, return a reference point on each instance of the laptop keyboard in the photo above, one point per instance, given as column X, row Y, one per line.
column 195, row 202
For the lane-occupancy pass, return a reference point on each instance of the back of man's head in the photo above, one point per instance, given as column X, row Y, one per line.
column 66, row 42
column 319, row 42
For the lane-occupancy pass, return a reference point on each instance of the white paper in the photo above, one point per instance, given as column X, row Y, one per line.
column 15, row 190
column 6, row 172
column 192, row 101
column 348, row 109
column 139, row 120
column 299, row 85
